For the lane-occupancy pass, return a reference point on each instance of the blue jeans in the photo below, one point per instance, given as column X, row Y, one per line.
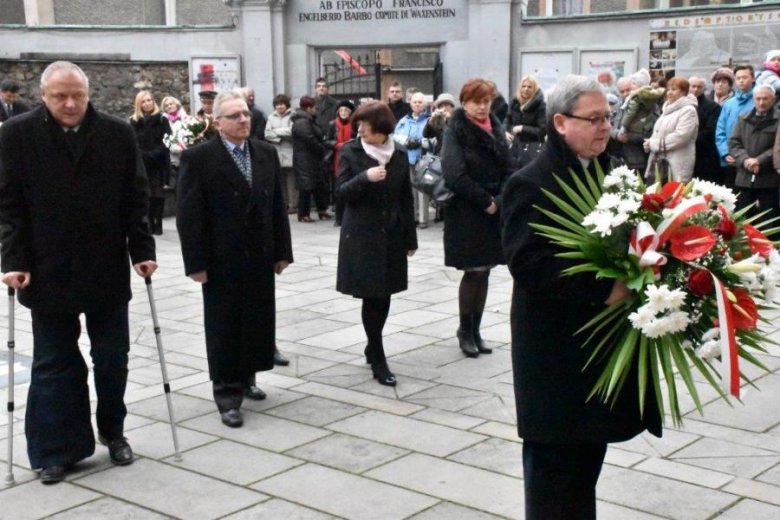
column 58, row 427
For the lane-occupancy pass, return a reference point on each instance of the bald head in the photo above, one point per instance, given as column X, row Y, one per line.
column 697, row 85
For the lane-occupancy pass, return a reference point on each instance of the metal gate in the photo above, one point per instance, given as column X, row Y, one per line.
column 354, row 76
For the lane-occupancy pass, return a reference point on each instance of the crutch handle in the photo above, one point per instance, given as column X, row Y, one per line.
column 148, row 280
column 11, row 292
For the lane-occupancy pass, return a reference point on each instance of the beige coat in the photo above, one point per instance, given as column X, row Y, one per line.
column 674, row 137
column 278, row 132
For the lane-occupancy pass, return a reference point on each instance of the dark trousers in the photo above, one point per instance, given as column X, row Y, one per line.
column 560, row 480
column 229, row 396
column 304, row 201
column 58, row 427
column 765, row 199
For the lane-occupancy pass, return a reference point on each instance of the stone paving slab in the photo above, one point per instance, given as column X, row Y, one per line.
column 33, row 500
column 109, row 508
column 343, row 494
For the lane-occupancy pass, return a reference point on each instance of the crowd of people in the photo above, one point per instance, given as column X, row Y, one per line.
column 82, row 191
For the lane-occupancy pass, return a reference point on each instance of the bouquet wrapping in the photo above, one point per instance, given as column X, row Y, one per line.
column 701, row 275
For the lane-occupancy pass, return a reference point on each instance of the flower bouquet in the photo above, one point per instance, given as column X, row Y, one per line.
column 187, row 132
column 700, row 273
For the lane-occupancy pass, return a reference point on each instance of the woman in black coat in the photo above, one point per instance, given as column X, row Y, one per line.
column 150, row 127
column 378, row 231
column 340, row 131
column 475, row 165
column 525, row 122
column 311, row 172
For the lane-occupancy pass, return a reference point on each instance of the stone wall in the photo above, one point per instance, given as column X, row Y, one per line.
column 11, row 11
column 109, row 12
column 113, row 85
column 202, row 12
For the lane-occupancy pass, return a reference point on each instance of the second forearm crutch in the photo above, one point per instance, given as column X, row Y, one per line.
column 9, row 476
column 161, row 354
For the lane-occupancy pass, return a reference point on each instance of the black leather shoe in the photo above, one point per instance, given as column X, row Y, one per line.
column 279, row 359
column 382, row 373
column 53, row 474
column 118, row 449
column 467, row 345
column 254, row 393
column 479, row 342
column 233, row 418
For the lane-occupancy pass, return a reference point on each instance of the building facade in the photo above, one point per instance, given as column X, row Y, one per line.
column 284, row 45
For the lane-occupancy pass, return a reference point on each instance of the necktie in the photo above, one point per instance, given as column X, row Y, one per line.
column 241, row 161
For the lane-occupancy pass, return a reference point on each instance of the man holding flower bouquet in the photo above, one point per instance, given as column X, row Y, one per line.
column 565, row 430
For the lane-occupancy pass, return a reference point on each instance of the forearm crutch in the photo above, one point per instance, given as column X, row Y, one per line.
column 161, row 354
column 9, row 476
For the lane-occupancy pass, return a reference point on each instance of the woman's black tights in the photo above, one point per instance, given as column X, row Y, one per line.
column 375, row 311
column 471, row 299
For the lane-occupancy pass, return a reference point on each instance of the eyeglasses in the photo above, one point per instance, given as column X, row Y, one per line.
column 594, row 121
column 236, row 116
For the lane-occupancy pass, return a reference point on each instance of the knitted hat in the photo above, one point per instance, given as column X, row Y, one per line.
column 723, row 73
column 771, row 54
column 346, row 103
column 444, row 98
column 307, row 102
column 641, row 78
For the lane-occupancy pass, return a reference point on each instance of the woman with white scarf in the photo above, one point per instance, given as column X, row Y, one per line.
column 378, row 231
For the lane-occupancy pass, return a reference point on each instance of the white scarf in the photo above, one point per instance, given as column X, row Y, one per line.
column 382, row 153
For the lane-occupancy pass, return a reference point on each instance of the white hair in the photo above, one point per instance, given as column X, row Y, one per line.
column 769, row 88
column 624, row 80
column 63, row 66
column 697, row 77
column 228, row 95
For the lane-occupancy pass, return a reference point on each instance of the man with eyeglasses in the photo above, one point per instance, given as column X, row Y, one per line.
column 564, row 433
column 234, row 232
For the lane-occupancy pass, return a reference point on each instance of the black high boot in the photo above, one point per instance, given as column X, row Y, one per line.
column 466, row 335
column 379, row 365
column 477, row 338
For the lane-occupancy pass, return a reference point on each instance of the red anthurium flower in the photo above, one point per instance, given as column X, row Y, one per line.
column 653, row 202
column 700, row 282
column 672, row 193
column 744, row 310
column 692, row 242
column 757, row 241
column 726, row 228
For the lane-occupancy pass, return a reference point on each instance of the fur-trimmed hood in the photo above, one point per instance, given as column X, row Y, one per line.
column 473, row 137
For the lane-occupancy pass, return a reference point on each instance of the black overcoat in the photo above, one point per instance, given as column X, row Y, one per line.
column 531, row 117
column 707, row 166
column 150, row 131
column 235, row 233
column 311, row 172
column 475, row 166
column 378, row 226
column 551, row 387
column 70, row 216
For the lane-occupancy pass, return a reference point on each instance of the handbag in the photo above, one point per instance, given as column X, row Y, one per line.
column 525, row 152
column 428, row 179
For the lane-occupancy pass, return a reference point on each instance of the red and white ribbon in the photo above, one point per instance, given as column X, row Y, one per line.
column 728, row 342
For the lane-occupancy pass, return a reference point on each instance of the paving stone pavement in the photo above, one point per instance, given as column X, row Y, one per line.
column 329, row 442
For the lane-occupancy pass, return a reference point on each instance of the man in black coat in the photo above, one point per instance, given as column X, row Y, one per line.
column 10, row 105
column 565, row 434
column 325, row 105
column 73, row 202
column 257, row 130
column 707, row 166
column 232, row 221
column 395, row 100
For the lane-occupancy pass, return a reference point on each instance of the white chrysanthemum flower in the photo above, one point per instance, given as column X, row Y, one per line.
column 642, row 316
column 677, row 298
column 686, row 344
column 709, row 350
column 608, row 202
column 658, row 297
column 610, row 181
column 655, row 328
column 629, row 206
column 678, row 321
column 619, row 219
column 720, row 194
column 601, row 221
column 713, row 333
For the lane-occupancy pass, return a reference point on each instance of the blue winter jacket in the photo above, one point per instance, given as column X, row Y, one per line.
column 409, row 128
column 733, row 108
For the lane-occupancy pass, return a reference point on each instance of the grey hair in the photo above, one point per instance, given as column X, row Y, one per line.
column 567, row 92
column 65, row 66
column 228, row 95
column 770, row 88
column 697, row 77
column 624, row 80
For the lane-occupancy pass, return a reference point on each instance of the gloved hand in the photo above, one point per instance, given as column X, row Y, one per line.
column 413, row 144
